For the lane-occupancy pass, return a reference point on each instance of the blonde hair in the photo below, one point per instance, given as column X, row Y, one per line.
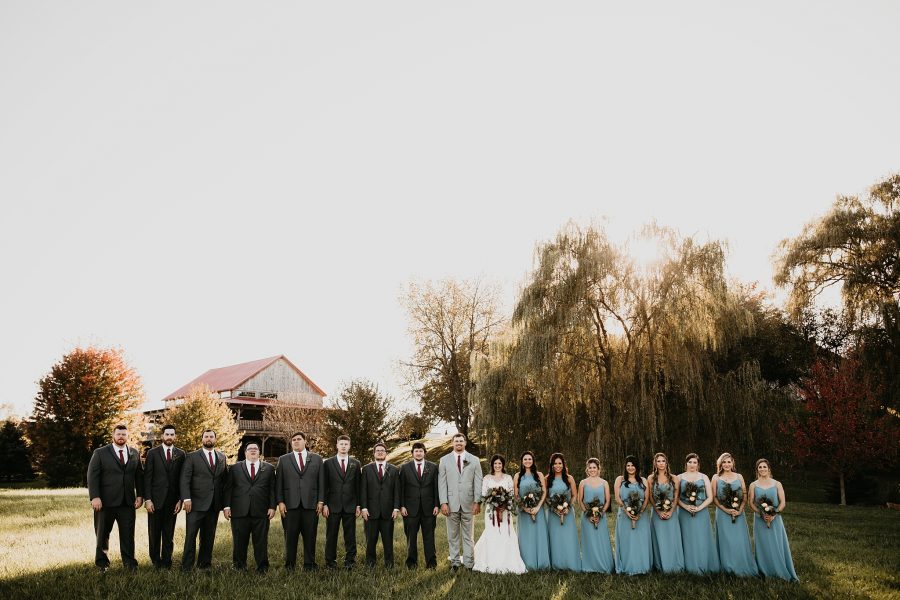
column 594, row 461
column 722, row 457
column 655, row 475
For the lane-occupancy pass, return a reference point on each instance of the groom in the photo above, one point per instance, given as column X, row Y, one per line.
column 459, row 489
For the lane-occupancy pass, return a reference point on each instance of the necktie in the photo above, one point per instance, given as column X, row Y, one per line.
column 380, row 472
column 300, row 460
column 121, row 458
column 212, row 465
column 419, row 469
column 459, row 463
column 168, row 455
column 343, row 467
column 252, row 471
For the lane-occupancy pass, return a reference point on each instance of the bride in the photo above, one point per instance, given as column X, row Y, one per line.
column 497, row 550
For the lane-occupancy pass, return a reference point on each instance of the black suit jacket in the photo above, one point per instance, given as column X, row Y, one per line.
column 380, row 496
column 111, row 481
column 419, row 495
column 342, row 489
column 204, row 487
column 248, row 498
column 296, row 489
column 162, row 480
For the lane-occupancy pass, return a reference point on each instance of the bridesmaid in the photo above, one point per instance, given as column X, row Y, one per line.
column 732, row 536
column 564, row 552
column 700, row 554
column 534, row 545
column 668, row 555
column 596, row 550
column 773, row 553
column 633, row 553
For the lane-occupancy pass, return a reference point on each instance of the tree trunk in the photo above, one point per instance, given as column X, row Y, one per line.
column 843, row 491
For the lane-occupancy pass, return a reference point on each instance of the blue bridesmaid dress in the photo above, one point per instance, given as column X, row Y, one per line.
column 668, row 555
column 735, row 555
column 700, row 554
column 534, row 545
column 596, row 549
column 564, row 552
column 633, row 553
column 773, row 553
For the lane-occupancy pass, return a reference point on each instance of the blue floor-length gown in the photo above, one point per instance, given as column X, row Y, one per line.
column 634, row 556
column 735, row 555
column 534, row 544
column 773, row 553
column 564, row 552
column 700, row 554
column 668, row 555
column 596, row 549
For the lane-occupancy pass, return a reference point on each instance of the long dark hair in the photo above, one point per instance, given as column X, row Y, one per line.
column 534, row 471
column 565, row 470
column 502, row 460
column 637, row 471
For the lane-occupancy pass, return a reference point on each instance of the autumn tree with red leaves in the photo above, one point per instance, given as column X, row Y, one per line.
column 842, row 426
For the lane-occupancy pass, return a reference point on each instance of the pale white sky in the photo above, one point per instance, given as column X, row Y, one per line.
column 211, row 183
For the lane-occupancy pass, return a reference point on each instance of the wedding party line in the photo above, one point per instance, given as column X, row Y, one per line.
column 662, row 522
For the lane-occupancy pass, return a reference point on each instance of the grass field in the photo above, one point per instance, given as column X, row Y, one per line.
column 47, row 541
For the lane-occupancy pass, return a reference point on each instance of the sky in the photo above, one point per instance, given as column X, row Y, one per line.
column 208, row 183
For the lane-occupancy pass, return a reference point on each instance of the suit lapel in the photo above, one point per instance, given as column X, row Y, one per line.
column 112, row 449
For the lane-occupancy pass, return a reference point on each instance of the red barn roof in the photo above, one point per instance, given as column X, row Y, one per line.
column 226, row 379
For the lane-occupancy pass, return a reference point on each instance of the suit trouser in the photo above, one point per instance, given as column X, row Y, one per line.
column 204, row 522
column 300, row 522
column 383, row 527
column 103, row 524
column 461, row 524
column 411, row 526
column 242, row 528
column 332, row 527
column 161, row 531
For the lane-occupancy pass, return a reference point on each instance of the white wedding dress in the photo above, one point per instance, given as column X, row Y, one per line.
column 497, row 550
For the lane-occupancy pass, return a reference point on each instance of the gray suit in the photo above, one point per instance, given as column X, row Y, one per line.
column 459, row 487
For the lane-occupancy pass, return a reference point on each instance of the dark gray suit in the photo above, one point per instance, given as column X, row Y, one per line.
column 342, row 499
column 249, row 501
column 204, row 486
column 117, row 485
column 300, row 491
column 380, row 496
column 419, row 496
column 162, row 481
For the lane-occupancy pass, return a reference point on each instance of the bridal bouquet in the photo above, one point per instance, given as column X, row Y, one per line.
column 559, row 503
column 731, row 498
column 529, row 502
column 663, row 499
column 499, row 500
column 633, row 506
column 765, row 506
column 690, row 492
column 594, row 512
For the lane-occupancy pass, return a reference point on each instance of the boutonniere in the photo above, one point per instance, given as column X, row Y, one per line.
column 465, row 462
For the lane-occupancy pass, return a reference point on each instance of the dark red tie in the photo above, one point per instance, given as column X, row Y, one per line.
column 343, row 467
column 419, row 469
column 252, row 471
column 121, row 458
column 459, row 463
column 212, row 465
column 168, row 455
column 300, row 460
column 380, row 472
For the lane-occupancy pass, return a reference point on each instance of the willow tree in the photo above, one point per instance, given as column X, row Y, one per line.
column 608, row 354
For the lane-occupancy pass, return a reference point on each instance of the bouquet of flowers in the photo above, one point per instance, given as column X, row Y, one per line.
column 765, row 506
column 529, row 502
column 690, row 492
column 663, row 498
column 633, row 506
column 499, row 500
column 731, row 498
column 559, row 503
column 594, row 512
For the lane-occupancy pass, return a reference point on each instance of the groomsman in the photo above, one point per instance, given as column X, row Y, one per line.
column 419, row 506
column 380, row 503
column 299, row 491
column 250, row 505
column 115, row 486
column 460, row 492
column 162, row 479
column 203, row 489
column 342, row 482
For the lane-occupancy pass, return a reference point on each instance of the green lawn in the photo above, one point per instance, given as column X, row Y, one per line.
column 47, row 541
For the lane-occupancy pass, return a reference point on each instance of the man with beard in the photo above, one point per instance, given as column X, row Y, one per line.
column 419, row 506
column 203, row 489
column 116, row 486
column 162, row 481
column 300, row 493
column 380, row 503
column 250, row 505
